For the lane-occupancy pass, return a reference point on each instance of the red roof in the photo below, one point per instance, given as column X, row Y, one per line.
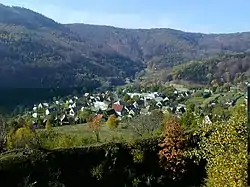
column 117, row 107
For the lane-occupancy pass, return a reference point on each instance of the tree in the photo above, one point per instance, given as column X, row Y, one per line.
column 85, row 115
column 147, row 124
column 112, row 122
column 126, row 98
column 189, row 120
column 48, row 125
column 95, row 126
column 172, row 153
column 224, row 146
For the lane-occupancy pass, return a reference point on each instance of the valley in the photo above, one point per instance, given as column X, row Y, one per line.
column 97, row 105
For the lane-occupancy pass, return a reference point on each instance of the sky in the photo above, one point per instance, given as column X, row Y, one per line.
column 206, row 16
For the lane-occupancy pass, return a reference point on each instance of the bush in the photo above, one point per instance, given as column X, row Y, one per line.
column 52, row 140
column 48, row 125
column 112, row 122
column 23, row 137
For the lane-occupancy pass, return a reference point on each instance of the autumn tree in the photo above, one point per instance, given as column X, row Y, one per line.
column 95, row 126
column 224, row 146
column 172, row 153
column 112, row 122
column 48, row 125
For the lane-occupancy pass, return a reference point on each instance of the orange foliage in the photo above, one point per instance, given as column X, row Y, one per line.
column 172, row 153
column 95, row 124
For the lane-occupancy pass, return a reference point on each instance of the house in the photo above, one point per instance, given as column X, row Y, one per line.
column 141, row 102
column 135, row 104
column 47, row 112
column 86, row 94
column 119, row 102
column 100, row 105
column 118, row 109
column 40, row 105
column 159, row 104
column 34, row 115
column 64, row 120
column 181, row 108
column 207, row 120
column 35, row 125
column 72, row 112
column 158, row 99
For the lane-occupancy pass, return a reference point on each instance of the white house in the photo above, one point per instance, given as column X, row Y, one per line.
column 47, row 112
column 71, row 112
column 34, row 115
column 100, row 105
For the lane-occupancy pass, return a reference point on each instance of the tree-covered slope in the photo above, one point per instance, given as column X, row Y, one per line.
column 37, row 52
column 227, row 68
column 161, row 47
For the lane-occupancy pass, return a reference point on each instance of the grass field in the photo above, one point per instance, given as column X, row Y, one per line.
column 106, row 134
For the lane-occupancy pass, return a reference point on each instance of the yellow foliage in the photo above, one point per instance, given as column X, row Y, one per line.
column 112, row 122
column 21, row 138
column 48, row 126
column 225, row 150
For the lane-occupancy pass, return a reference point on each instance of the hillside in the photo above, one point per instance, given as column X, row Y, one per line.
column 36, row 51
column 230, row 68
column 162, row 48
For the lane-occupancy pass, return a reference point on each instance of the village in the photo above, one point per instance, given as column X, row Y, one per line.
column 106, row 104
column 123, row 105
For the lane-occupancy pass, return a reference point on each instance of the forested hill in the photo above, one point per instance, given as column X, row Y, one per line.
column 230, row 68
column 36, row 51
column 162, row 47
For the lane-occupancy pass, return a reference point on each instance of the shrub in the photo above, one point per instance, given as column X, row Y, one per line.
column 51, row 140
column 48, row 125
column 23, row 137
column 112, row 122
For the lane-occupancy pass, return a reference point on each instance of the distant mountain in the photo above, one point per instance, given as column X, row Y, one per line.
column 36, row 51
column 161, row 47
